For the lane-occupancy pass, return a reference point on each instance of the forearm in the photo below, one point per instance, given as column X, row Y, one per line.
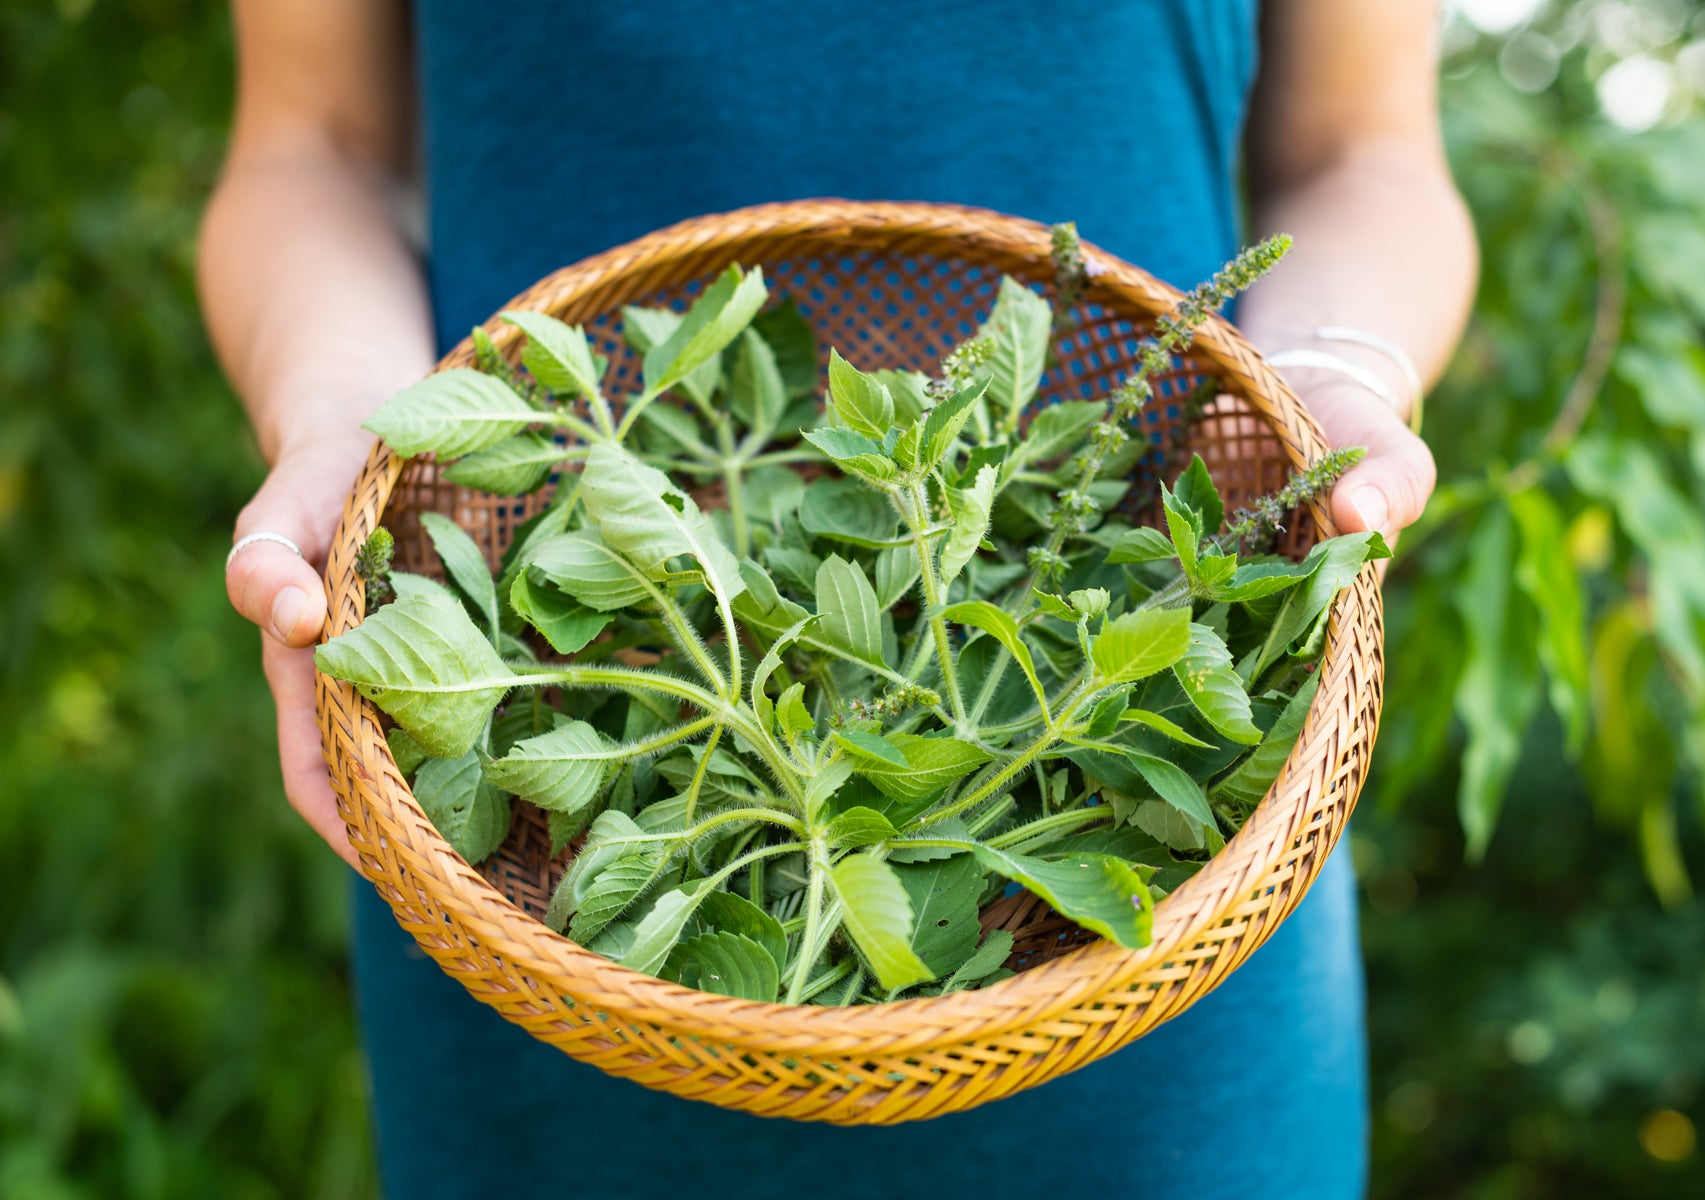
column 1383, row 243
column 313, row 299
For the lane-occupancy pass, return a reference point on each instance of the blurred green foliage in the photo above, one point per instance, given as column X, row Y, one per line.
column 174, row 1009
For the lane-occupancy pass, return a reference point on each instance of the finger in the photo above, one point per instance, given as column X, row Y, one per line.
column 307, row 786
column 1388, row 489
column 275, row 588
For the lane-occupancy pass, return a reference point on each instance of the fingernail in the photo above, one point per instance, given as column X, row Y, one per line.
column 286, row 607
column 1369, row 503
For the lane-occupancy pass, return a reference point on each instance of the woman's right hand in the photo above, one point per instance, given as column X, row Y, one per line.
column 302, row 498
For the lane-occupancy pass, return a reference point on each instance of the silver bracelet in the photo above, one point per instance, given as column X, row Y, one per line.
column 1385, row 346
column 1322, row 361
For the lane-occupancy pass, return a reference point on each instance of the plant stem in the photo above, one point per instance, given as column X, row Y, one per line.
column 703, row 769
column 1069, row 819
column 733, row 483
column 916, row 512
column 813, row 917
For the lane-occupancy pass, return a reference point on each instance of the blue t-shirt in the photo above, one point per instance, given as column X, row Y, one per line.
column 555, row 130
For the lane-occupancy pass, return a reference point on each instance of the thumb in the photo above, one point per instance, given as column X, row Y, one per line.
column 1389, row 488
column 270, row 584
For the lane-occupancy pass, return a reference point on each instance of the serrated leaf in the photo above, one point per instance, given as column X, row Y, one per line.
column 897, row 573
column 1254, row 776
column 560, row 770
column 846, row 510
column 943, row 423
column 1256, row 581
column 1137, row 644
column 1019, row 328
column 1183, row 524
column 1213, row 685
column 878, row 917
column 853, row 452
column 970, row 508
column 943, row 896
column 512, row 467
column 584, row 567
column 791, row 713
column 790, row 336
column 1330, row 567
column 729, row 964
column 451, row 413
column 715, row 319
column 761, row 703
column 998, row 624
column 657, row 932
column 464, row 563
column 910, row 390
column 872, row 748
column 773, row 494
column 725, row 912
column 649, row 520
column 1056, row 431
column 756, row 393
column 617, row 887
column 423, row 661
column 859, row 826
column 558, row 355
column 405, row 750
column 472, row 815
column 1162, row 726
column 1195, row 488
column 1172, row 785
column 1099, row 892
column 1169, row 826
column 565, row 623
column 604, row 844
column 409, row 586
column 989, row 958
column 860, row 401
column 1141, row 545
column 847, row 615
column 930, row 765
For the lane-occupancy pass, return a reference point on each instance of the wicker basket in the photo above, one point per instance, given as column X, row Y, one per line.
column 896, row 285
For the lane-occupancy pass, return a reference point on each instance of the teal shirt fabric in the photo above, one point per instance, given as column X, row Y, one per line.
column 555, row 130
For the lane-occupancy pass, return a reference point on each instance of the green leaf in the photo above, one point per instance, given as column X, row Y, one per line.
column 658, row 931
column 897, row 573
column 1169, row 826
column 1101, row 893
column 872, row 749
column 1255, row 581
column 910, row 390
column 512, row 467
column 1206, row 674
column 943, row 422
column 408, row 586
column 617, row 887
column 405, row 750
column 649, row 520
column 1249, row 783
column 859, row 826
column 1183, row 523
column 423, row 661
column 1545, row 576
column 1057, row 431
column 1172, row 785
column 729, row 964
column 558, row 355
column 846, row 610
column 451, row 413
column 980, row 614
column 472, row 815
column 860, row 401
column 1141, row 545
column 601, row 848
column 773, row 493
column 989, row 958
column 794, row 343
column 464, row 563
column 846, row 510
column 761, row 703
column 853, row 451
column 560, row 770
column 1329, row 568
column 716, row 318
column 1019, row 328
column 792, row 714
column 970, row 507
column 677, row 425
column 1196, row 490
column 1498, row 687
column 565, row 623
column 878, row 917
column 943, row 897
column 725, row 912
column 927, row 766
column 1162, row 726
column 1137, row 644
column 590, row 571
column 756, row 393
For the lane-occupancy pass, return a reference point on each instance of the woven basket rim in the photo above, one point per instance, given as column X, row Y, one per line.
column 559, row 965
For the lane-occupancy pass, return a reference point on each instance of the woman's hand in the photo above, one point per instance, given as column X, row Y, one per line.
column 1388, row 489
column 302, row 499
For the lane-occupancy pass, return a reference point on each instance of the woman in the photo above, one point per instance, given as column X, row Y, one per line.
column 552, row 131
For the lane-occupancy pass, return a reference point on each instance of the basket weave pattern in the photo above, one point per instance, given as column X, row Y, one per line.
column 892, row 285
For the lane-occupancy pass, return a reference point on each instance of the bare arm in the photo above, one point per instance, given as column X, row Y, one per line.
column 316, row 307
column 1345, row 155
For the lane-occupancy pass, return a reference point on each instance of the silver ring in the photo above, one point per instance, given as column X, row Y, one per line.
column 265, row 535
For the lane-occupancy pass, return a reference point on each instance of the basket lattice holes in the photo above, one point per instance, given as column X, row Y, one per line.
column 1072, row 1002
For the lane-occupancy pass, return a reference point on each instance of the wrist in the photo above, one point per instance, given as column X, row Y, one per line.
column 1334, row 359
